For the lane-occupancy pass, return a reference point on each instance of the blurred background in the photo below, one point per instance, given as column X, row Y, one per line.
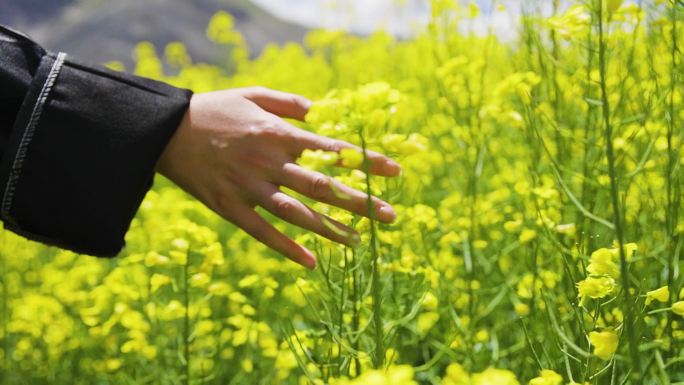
column 100, row 31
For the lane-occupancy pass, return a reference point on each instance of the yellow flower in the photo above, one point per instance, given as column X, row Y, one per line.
column 575, row 20
column 155, row 259
column 221, row 28
column 678, row 308
column 473, row 10
column 247, row 365
column 493, row 376
column 351, row 158
column 527, row 235
column 393, row 375
column 511, row 226
column 595, row 287
column 547, row 377
column 601, row 263
column 482, row 335
column 605, row 343
column 629, row 248
column 522, row 309
column 248, row 281
column 426, row 321
column 317, row 159
column 158, row 280
column 199, row 280
column 112, row 364
column 179, row 252
column 429, row 301
column 480, row 244
column 661, row 294
column 219, row 288
column 456, row 375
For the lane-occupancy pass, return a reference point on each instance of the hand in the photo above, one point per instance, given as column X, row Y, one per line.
column 232, row 151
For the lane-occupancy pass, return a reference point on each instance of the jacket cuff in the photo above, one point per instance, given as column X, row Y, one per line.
column 82, row 153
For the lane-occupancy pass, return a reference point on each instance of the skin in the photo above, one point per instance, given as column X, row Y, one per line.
column 233, row 150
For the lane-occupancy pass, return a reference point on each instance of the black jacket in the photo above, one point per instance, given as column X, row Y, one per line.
column 78, row 145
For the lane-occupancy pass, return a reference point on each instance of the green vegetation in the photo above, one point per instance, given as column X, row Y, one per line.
column 538, row 236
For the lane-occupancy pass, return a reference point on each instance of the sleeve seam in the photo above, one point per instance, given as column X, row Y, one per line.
column 20, row 155
column 118, row 78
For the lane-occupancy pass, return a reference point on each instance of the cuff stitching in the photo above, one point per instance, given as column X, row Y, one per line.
column 15, row 171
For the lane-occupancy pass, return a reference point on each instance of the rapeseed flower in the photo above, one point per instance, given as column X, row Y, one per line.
column 661, row 294
column 351, row 158
column 456, row 375
column 595, row 287
column 573, row 22
column 393, row 375
column 602, row 262
column 678, row 308
column 605, row 343
column 493, row 376
column 547, row 377
column 317, row 159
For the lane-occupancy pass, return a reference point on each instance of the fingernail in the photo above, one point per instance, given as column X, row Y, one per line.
column 386, row 213
column 391, row 167
column 310, row 261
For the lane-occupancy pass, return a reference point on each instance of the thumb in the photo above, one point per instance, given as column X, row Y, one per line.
column 280, row 103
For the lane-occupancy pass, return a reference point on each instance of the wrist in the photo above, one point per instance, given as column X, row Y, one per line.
column 165, row 162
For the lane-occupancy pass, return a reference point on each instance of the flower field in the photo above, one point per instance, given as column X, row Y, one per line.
column 538, row 237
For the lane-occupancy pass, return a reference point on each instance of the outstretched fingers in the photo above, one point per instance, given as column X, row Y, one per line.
column 287, row 105
column 325, row 189
column 299, row 214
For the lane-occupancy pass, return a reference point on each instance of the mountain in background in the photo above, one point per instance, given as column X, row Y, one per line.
column 99, row 31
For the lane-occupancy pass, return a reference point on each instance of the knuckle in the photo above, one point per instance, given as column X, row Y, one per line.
column 274, row 128
column 284, row 208
column 333, row 146
column 266, row 128
column 319, row 187
column 298, row 101
column 361, row 206
column 224, row 206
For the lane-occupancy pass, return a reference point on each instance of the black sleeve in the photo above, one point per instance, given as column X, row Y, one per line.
column 78, row 145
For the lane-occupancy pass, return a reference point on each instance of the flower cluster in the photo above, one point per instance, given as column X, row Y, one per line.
column 521, row 162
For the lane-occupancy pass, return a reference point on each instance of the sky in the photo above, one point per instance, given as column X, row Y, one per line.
column 399, row 17
column 361, row 16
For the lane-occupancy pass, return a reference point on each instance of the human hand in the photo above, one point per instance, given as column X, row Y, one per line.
column 232, row 151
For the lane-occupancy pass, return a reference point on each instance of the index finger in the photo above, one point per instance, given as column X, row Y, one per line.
column 379, row 163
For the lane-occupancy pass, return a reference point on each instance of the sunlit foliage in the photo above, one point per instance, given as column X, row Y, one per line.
column 538, row 237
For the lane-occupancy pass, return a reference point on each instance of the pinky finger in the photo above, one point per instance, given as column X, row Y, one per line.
column 253, row 224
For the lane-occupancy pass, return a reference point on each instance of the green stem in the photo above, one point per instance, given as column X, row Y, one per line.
column 355, row 313
column 671, row 216
column 376, row 288
column 186, row 324
column 624, row 271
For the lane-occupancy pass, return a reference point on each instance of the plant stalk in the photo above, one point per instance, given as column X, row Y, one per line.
column 629, row 321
